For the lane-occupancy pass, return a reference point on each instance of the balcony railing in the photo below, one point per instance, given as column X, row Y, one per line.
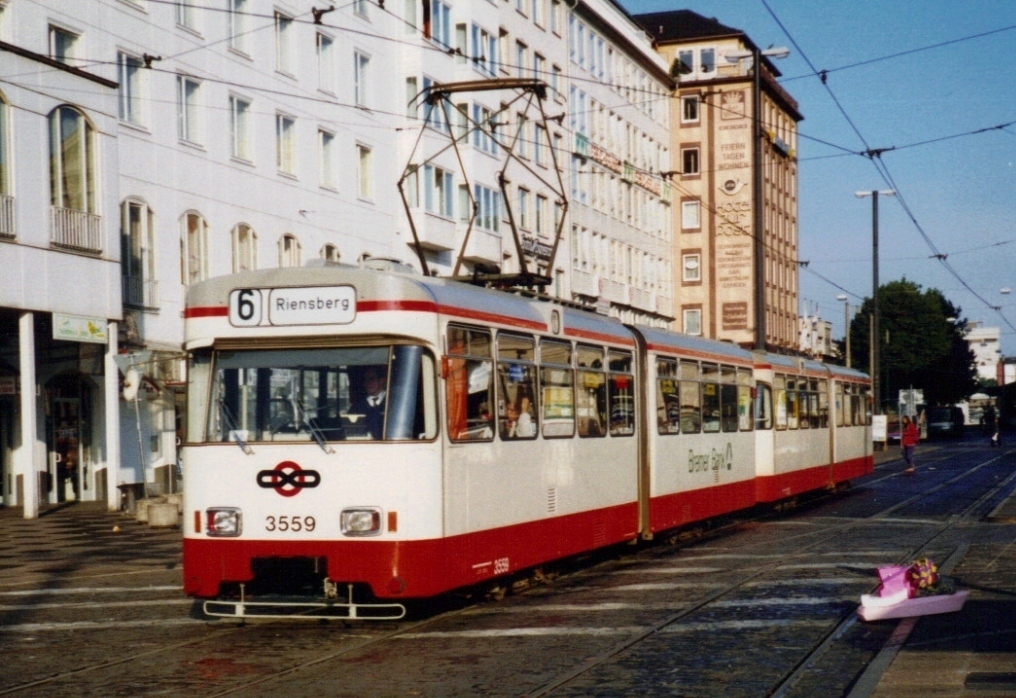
column 7, row 217
column 75, row 230
column 139, row 292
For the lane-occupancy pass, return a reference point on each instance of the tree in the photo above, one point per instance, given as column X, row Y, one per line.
column 922, row 343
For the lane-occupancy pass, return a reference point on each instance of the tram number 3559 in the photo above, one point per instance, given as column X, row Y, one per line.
column 290, row 523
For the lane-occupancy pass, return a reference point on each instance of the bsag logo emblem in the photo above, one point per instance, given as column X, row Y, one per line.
column 288, row 478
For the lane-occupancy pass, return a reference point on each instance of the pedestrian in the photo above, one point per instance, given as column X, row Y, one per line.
column 991, row 425
column 908, row 440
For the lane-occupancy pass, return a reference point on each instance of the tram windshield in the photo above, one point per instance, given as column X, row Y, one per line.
column 376, row 393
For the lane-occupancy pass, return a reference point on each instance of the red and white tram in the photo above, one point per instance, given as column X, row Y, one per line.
column 396, row 436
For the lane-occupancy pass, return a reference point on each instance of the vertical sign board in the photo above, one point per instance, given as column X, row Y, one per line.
column 879, row 428
column 733, row 265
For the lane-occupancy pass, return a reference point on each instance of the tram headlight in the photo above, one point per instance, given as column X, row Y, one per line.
column 223, row 522
column 361, row 521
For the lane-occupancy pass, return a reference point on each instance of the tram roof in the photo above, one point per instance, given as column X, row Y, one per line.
column 700, row 347
column 396, row 290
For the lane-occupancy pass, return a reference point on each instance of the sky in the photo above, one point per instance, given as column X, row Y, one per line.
column 957, row 76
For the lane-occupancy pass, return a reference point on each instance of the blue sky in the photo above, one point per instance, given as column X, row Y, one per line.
column 961, row 191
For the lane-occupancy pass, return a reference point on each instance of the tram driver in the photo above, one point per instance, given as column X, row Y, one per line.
column 372, row 403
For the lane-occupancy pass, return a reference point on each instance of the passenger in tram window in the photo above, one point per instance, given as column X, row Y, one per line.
column 372, row 404
column 518, row 420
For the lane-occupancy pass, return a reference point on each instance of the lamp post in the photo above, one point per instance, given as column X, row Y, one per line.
column 757, row 199
column 846, row 323
column 876, row 350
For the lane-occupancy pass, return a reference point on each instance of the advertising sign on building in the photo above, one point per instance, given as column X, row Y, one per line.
column 75, row 328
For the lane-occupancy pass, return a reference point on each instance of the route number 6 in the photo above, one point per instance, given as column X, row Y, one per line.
column 245, row 307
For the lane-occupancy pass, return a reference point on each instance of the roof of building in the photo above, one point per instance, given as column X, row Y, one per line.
column 676, row 25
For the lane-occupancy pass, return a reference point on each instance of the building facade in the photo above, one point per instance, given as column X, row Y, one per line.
column 187, row 140
column 985, row 342
column 718, row 193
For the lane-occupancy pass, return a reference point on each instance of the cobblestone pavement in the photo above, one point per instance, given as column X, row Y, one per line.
column 90, row 605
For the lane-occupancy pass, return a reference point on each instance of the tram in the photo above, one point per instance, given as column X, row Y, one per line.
column 367, row 437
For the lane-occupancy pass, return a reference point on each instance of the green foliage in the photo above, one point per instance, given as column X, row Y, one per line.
column 922, row 343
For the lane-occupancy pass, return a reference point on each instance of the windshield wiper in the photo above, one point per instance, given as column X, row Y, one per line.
column 231, row 424
column 313, row 428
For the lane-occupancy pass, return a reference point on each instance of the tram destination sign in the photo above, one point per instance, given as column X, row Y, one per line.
column 308, row 305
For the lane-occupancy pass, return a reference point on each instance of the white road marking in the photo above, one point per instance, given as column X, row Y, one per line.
column 613, row 631
column 768, row 603
column 100, row 625
column 664, row 586
column 671, row 570
column 113, row 604
column 90, row 590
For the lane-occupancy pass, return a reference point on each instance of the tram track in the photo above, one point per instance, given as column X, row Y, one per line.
column 795, row 673
column 783, row 687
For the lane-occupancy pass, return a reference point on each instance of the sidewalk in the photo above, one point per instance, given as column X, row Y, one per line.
column 969, row 653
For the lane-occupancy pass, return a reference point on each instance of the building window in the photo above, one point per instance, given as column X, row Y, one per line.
column 188, row 113
column 129, row 74
column 690, row 161
column 6, row 226
column 692, row 320
column 289, row 251
column 62, row 45
column 521, row 54
column 238, row 25
column 360, row 8
column 365, row 174
column 542, row 223
column 186, row 16
column 685, row 62
column 325, row 63
column 285, row 146
column 283, row 48
column 689, row 109
column 440, row 22
column 137, row 258
column 691, row 268
column 326, row 155
column 72, row 160
column 239, row 125
column 330, row 253
column 438, row 184
column 488, row 208
column 524, row 219
column 691, row 218
column 707, row 60
column 361, row 66
column 193, row 250
column 245, row 248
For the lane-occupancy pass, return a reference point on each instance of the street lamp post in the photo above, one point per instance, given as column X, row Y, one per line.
column 846, row 323
column 758, row 219
column 876, row 351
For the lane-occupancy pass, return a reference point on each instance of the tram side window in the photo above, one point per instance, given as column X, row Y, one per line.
column 793, row 404
column 516, row 376
column 823, row 404
column 728, row 399
column 866, row 397
column 591, row 394
column 838, row 404
column 668, row 397
column 710, row 398
column 621, row 393
column 744, row 402
column 691, row 398
column 858, row 416
column 557, row 384
column 780, row 400
column 763, row 406
column 469, row 384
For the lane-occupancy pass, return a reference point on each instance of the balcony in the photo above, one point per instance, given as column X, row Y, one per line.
column 7, row 217
column 139, row 292
column 75, row 230
column 435, row 232
column 483, row 247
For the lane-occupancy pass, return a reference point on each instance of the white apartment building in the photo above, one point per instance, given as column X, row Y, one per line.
column 60, row 261
column 162, row 143
column 985, row 342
